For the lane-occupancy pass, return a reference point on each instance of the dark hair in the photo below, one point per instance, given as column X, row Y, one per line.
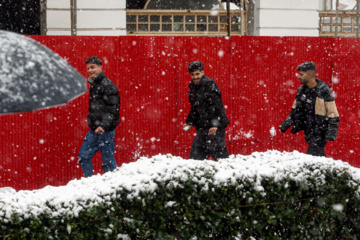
column 306, row 66
column 197, row 65
column 94, row 60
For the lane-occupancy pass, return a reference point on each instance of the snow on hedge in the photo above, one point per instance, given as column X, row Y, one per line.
column 143, row 175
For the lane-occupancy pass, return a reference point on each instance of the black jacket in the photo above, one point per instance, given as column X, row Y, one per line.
column 104, row 104
column 207, row 109
column 326, row 119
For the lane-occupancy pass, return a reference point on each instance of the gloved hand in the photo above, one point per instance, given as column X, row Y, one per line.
column 295, row 130
column 282, row 129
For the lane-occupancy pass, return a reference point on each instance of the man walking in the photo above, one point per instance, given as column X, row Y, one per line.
column 313, row 111
column 103, row 118
column 207, row 115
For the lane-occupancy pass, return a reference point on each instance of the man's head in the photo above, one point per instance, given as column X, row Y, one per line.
column 196, row 70
column 93, row 66
column 307, row 72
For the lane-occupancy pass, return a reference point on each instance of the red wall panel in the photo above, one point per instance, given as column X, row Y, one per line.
column 346, row 86
column 265, row 85
column 43, row 145
column 256, row 75
column 148, row 87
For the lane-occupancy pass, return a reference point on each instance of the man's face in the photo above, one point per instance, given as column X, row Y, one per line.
column 93, row 69
column 304, row 77
column 196, row 76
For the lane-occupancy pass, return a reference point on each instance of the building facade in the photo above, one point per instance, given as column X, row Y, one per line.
column 182, row 17
column 85, row 17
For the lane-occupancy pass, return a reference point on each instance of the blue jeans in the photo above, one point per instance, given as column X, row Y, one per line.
column 92, row 143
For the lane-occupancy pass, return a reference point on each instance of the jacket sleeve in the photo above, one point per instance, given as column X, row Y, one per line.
column 288, row 122
column 112, row 101
column 333, row 117
column 214, row 99
column 191, row 118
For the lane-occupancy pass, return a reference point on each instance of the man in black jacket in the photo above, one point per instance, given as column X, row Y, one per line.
column 313, row 111
column 207, row 115
column 103, row 118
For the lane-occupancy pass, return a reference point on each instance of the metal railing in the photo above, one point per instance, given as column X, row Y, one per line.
column 341, row 24
column 185, row 22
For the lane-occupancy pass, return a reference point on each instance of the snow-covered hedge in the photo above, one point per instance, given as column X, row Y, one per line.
column 270, row 195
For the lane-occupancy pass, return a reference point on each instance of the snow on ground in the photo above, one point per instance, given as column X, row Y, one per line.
column 142, row 175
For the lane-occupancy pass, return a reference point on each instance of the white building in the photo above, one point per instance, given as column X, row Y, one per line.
column 303, row 17
column 92, row 17
column 264, row 18
column 286, row 18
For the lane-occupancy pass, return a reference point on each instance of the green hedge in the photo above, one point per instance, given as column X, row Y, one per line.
column 269, row 195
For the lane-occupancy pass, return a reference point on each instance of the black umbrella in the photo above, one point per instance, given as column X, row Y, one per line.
column 34, row 77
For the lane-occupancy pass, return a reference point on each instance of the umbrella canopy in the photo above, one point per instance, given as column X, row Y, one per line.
column 33, row 77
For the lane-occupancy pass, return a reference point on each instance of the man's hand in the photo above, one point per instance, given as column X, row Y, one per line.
column 212, row 131
column 186, row 127
column 99, row 130
column 282, row 129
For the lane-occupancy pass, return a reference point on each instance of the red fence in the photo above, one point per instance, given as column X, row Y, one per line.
column 255, row 74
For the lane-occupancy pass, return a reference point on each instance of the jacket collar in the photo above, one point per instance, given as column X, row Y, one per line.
column 97, row 78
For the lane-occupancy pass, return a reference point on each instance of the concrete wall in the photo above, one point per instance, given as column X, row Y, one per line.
column 94, row 17
column 286, row 17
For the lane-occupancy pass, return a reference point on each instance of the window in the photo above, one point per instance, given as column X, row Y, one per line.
column 181, row 4
column 172, row 17
column 340, row 23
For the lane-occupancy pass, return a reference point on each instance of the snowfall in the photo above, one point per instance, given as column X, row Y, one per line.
column 142, row 175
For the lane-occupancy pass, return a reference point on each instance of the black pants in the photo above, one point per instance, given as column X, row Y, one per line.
column 316, row 146
column 204, row 145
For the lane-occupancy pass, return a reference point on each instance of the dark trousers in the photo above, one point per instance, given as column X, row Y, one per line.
column 204, row 145
column 316, row 146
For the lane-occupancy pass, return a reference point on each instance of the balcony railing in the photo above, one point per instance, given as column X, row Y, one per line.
column 185, row 22
column 346, row 24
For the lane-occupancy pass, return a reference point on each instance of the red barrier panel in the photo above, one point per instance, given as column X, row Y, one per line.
column 256, row 76
column 266, row 84
column 346, row 86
